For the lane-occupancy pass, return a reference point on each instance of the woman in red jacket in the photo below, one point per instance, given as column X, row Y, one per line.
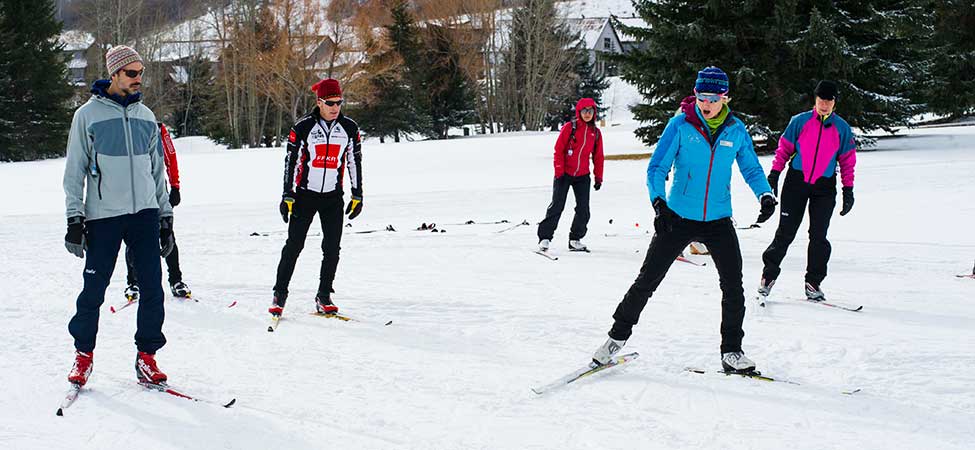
column 578, row 141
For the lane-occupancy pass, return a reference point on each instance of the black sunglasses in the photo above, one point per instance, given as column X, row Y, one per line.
column 132, row 73
column 331, row 102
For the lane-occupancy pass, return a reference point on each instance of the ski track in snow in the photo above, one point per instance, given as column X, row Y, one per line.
column 478, row 319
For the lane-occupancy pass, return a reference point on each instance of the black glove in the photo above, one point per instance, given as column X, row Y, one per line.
column 166, row 239
column 285, row 207
column 665, row 218
column 74, row 239
column 768, row 206
column 173, row 196
column 598, row 184
column 773, row 180
column 847, row 200
column 355, row 207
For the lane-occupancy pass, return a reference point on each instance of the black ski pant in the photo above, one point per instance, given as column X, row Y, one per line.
column 172, row 263
column 560, row 190
column 140, row 232
column 307, row 204
column 796, row 193
column 719, row 236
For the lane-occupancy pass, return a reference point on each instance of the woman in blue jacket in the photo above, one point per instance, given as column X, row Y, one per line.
column 700, row 143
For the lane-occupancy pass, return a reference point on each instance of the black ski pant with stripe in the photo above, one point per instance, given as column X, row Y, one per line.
column 560, row 190
column 328, row 208
column 796, row 193
column 720, row 237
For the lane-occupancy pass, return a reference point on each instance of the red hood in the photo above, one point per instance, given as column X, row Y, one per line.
column 688, row 107
column 585, row 103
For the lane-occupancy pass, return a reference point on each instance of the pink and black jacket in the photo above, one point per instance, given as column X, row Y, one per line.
column 817, row 147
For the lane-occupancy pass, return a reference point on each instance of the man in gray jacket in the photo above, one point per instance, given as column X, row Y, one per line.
column 115, row 190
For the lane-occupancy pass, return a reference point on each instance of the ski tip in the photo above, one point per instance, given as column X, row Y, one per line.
column 60, row 412
column 854, row 391
column 858, row 309
column 112, row 309
column 231, row 403
column 270, row 329
column 534, row 390
column 388, row 323
column 232, row 304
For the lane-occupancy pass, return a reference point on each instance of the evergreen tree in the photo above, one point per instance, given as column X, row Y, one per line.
column 34, row 112
column 451, row 101
column 950, row 58
column 402, row 103
column 587, row 83
column 774, row 53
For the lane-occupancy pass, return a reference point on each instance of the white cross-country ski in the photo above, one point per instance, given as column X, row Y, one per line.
column 274, row 323
column 586, row 371
column 546, row 254
column 69, row 398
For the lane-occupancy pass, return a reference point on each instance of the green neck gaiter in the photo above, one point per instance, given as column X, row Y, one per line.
column 719, row 119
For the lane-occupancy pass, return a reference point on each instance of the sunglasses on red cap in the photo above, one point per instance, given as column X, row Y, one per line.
column 331, row 102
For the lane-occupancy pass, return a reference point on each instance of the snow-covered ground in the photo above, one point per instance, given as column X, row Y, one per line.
column 478, row 319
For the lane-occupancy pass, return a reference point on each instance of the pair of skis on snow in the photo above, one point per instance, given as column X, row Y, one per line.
column 594, row 368
column 552, row 257
column 75, row 390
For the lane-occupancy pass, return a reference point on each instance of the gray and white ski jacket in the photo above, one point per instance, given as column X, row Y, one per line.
column 115, row 153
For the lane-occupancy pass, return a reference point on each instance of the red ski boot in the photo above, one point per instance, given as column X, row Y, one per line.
column 146, row 370
column 81, row 369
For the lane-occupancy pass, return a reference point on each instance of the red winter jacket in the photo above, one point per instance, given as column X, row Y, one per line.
column 588, row 143
column 169, row 156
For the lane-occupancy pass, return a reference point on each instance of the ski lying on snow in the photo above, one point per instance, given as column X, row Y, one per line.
column 345, row 318
column 836, row 305
column 972, row 276
column 165, row 388
column 755, row 375
column 586, row 371
column 274, row 323
column 75, row 390
column 546, row 254
column 683, row 259
column 523, row 222
column 122, row 306
column 69, row 398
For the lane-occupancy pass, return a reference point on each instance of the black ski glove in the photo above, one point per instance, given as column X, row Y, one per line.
column 285, row 206
column 599, row 184
column 166, row 239
column 847, row 200
column 665, row 218
column 355, row 207
column 768, row 206
column 174, row 196
column 773, row 180
column 74, row 239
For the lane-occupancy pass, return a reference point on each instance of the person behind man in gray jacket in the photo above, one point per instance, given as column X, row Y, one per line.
column 115, row 190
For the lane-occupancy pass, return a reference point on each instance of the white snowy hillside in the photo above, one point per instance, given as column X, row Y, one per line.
column 478, row 319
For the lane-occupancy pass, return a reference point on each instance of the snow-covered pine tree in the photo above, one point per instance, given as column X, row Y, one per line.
column 774, row 52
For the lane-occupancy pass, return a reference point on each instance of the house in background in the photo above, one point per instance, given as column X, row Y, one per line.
column 79, row 48
column 599, row 37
